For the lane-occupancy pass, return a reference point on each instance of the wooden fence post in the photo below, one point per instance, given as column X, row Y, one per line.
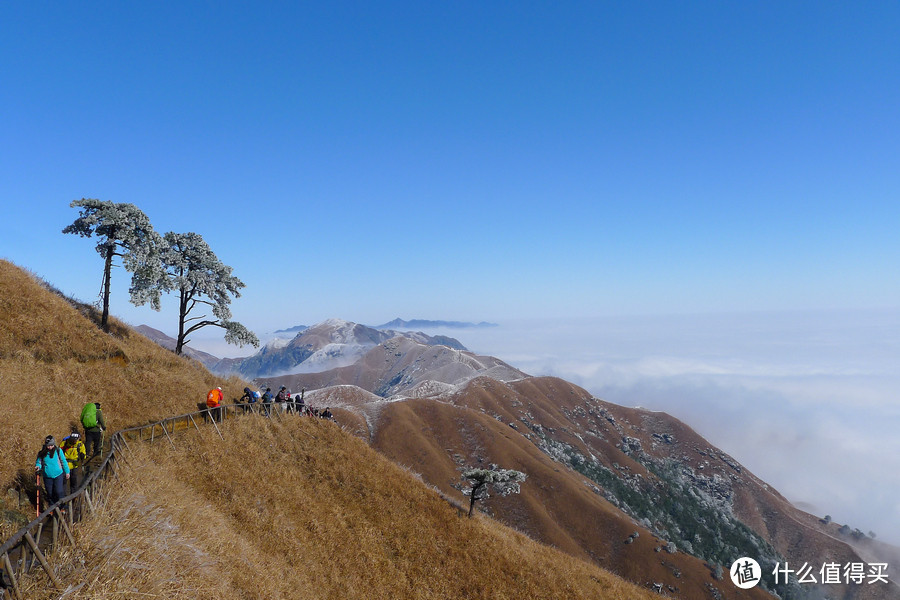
column 65, row 525
column 42, row 560
column 54, row 536
column 12, row 577
column 217, row 428
column 87, row 497
column 168, row 436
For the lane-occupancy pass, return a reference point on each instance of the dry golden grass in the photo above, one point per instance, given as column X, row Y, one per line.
column 298, row 509
column 53, row 360
column 301, row 510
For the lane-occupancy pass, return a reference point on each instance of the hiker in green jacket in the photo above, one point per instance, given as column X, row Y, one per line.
column 94, row 425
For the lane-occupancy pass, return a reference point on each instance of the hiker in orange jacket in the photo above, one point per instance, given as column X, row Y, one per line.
column 214, row 398
column 214, row 401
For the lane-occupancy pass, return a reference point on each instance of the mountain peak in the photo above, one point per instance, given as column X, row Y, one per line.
column 330, row 344
column 334, row 322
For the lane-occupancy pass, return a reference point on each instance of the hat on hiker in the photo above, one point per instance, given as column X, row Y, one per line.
column 49, row 441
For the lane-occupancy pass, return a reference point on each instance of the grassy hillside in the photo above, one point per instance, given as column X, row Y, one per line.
column 53, row 359
column 298, row 509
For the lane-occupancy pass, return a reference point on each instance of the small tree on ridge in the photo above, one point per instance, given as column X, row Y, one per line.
column 503, row 482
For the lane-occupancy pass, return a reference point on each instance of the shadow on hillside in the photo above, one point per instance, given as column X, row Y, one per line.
column 116, row 329
column 26, row 487
column 91, row 312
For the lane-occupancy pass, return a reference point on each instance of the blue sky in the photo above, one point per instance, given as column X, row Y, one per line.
column 466, row 161
column 507, row 161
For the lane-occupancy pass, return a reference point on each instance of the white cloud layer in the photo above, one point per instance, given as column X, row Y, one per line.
column 807, row 401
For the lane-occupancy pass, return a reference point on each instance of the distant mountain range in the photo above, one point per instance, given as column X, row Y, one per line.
column 399, row 323
column 294, row 329
column 635, row 491
column 328, row 345
column 169, row 342
column 402, row 365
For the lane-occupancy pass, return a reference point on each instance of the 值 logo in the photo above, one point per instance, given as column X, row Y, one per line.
column 745, row 573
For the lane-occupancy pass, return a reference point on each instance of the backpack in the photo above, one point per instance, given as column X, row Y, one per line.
column 42, row 456
column 214, row 398
column 89, row 415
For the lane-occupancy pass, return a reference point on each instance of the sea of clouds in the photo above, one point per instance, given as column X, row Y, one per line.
column 807, row 401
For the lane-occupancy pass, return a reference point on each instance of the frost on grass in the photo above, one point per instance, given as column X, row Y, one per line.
column 136, row 547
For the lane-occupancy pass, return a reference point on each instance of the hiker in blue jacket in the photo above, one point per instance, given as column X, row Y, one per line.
column 54, row 468
column 247, row 399
column 267, row 400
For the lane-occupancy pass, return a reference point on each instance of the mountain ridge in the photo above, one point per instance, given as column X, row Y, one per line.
column 399, row 323
column 326, row 345
column 399, row 364
column 634, row 461
column 402, row 369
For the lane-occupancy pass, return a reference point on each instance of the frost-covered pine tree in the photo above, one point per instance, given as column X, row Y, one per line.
column 124, row 230
column 503, row 482
column 190, row 268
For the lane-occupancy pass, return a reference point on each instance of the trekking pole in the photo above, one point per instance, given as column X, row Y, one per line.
column 37, row 491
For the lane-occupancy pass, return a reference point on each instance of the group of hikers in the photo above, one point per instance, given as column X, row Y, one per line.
column 57, row 465
column 283, row 401
column 63, row 463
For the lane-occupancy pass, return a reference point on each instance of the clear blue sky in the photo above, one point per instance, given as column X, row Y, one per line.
column 463, row 160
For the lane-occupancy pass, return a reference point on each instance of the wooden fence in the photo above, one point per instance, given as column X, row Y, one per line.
column 38, row 542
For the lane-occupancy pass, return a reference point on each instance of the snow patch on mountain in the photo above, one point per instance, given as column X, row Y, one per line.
column 276, row 343
column 331, row 356
column 426, row 389
column 341, row 331
column 339, row 396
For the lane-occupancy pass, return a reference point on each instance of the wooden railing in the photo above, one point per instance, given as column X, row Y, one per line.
column 40, row 540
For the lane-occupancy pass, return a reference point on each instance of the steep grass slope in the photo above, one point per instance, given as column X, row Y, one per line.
column 298, row 509
column 599, row 472
column 54, row 358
